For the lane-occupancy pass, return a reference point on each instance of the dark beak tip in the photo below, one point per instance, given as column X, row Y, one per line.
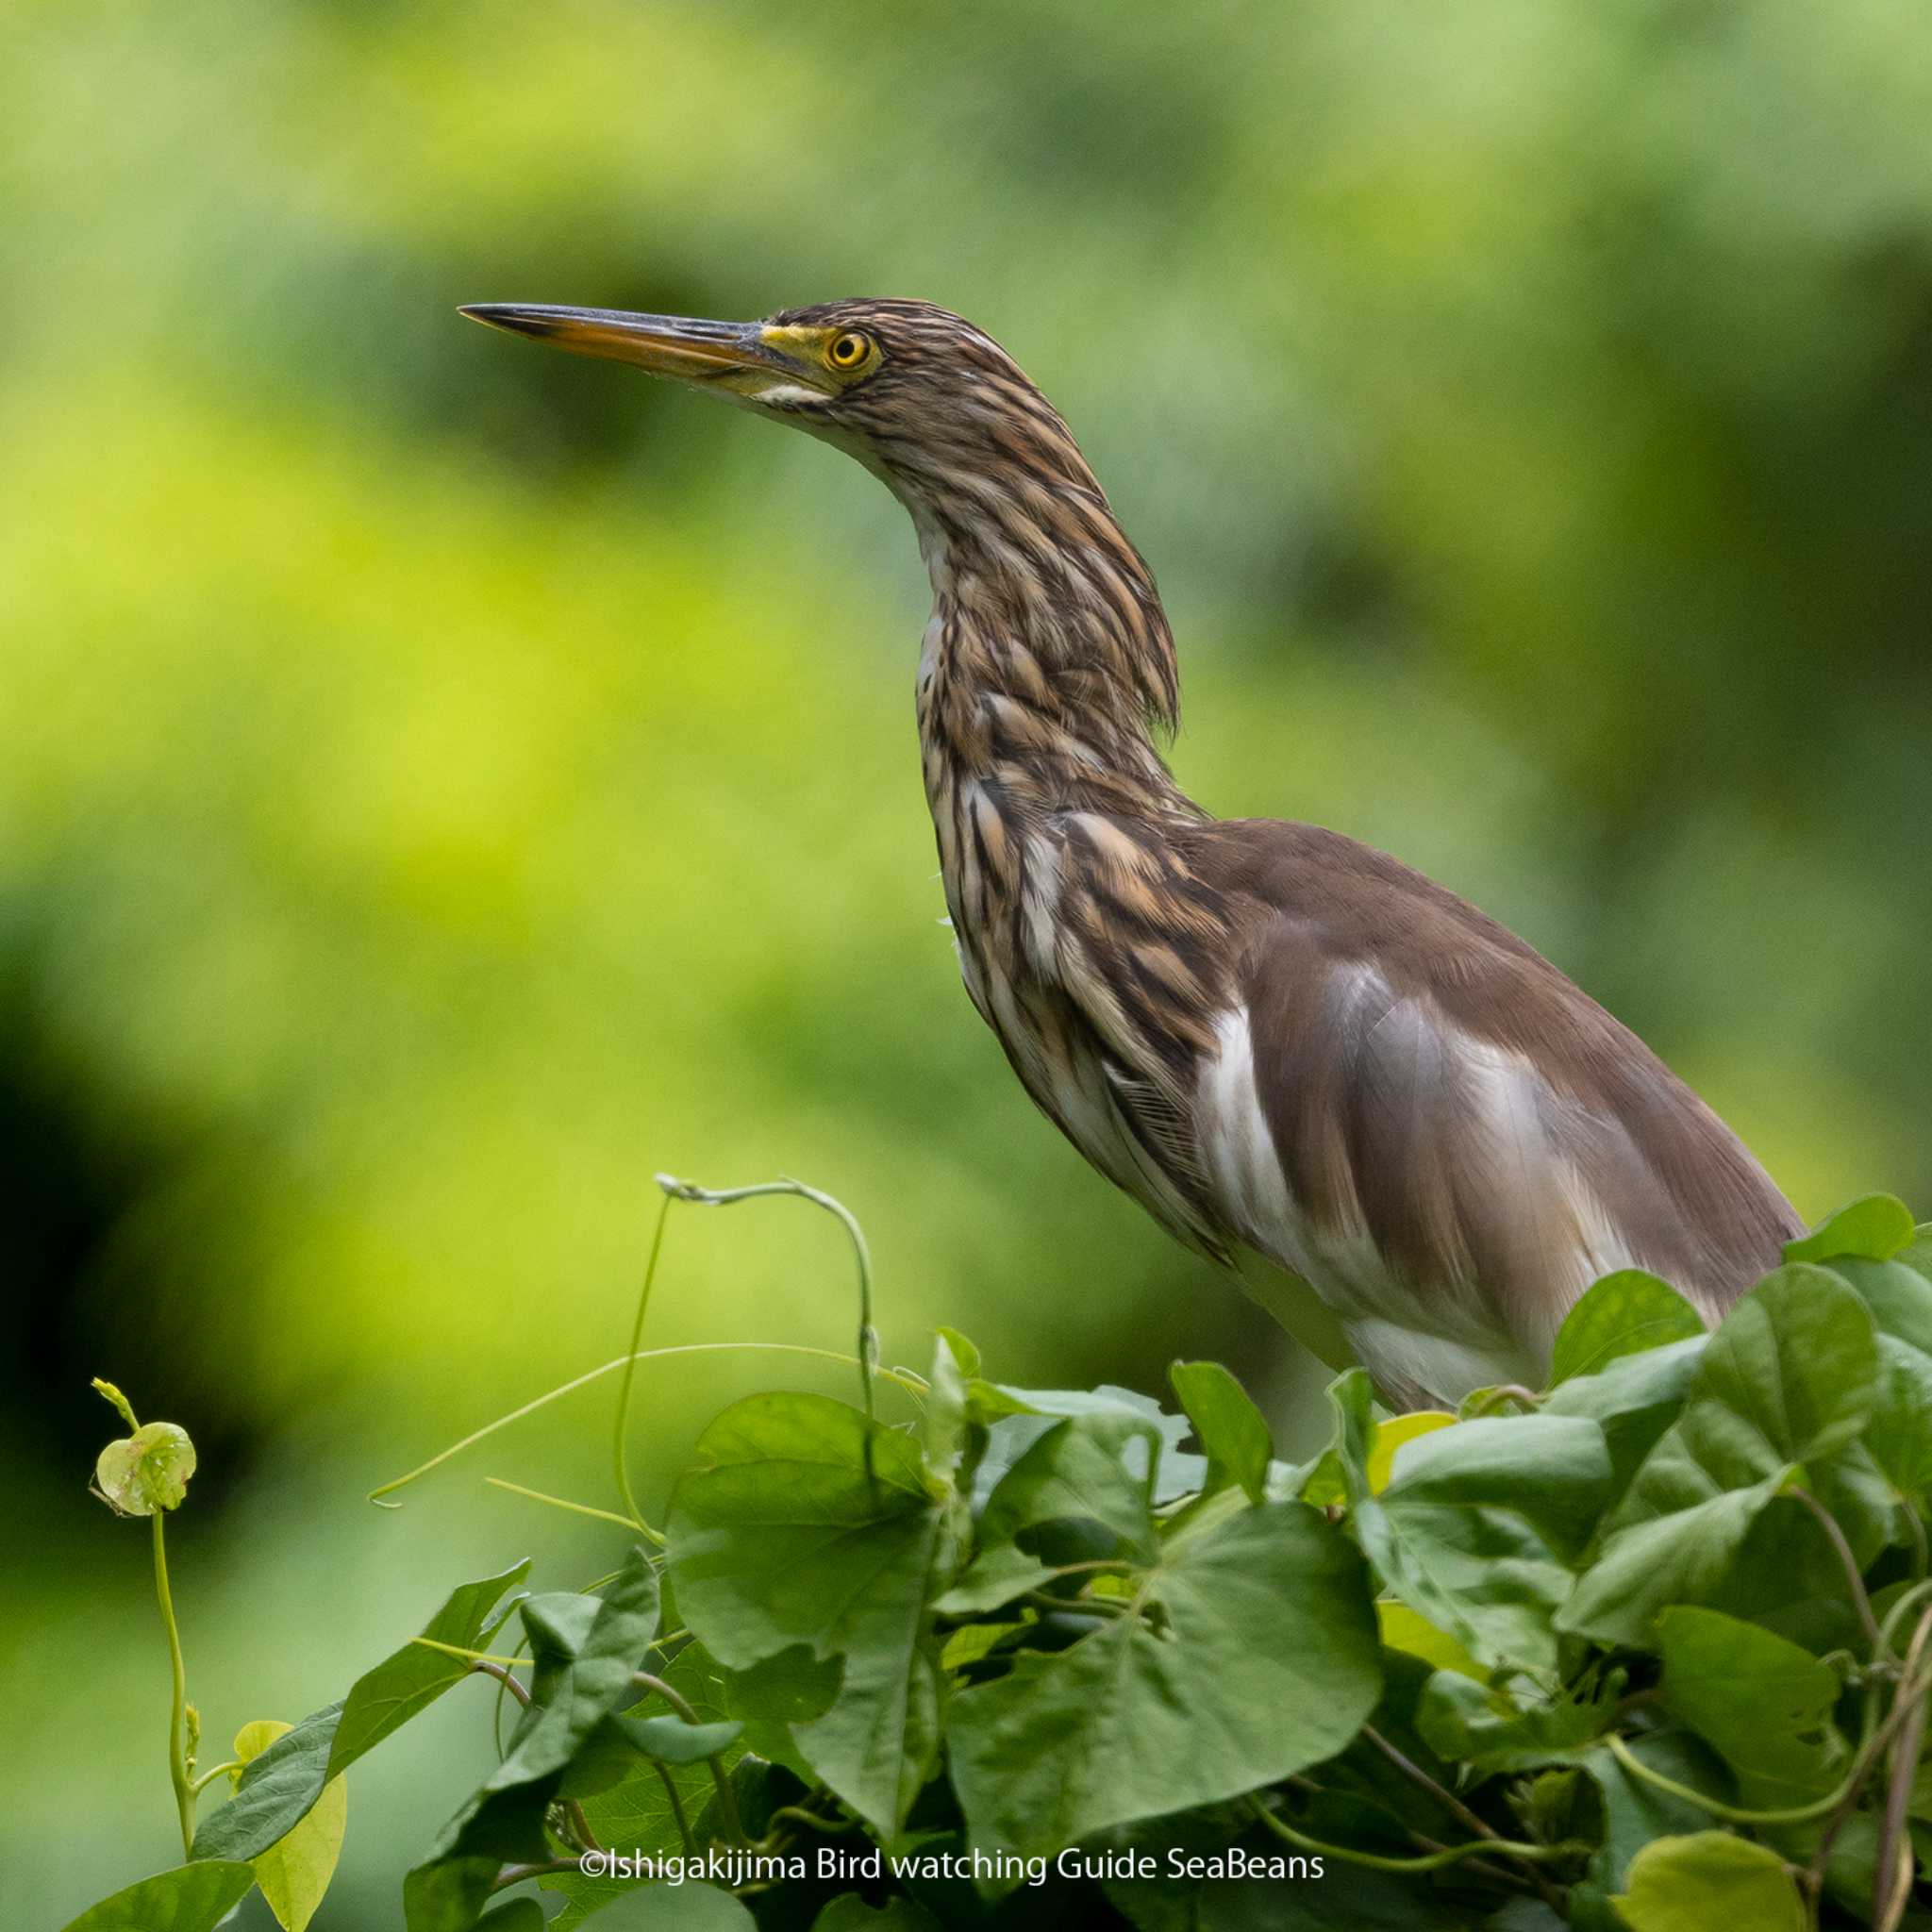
column 514, row 316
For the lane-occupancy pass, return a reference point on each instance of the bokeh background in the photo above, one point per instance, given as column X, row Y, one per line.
column 443, row 782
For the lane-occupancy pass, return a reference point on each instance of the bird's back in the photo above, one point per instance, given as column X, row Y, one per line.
column 1414, row 1111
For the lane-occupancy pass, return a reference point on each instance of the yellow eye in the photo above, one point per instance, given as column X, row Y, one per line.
column 849, row 350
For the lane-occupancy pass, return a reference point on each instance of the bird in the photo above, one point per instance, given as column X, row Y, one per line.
column 1405, row 1131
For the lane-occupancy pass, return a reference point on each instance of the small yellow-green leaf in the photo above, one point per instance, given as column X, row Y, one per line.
column 1706, row 1879
column 294, row 1872
column 1391, row 1433
column 146, row 1470
column 1402, row 1629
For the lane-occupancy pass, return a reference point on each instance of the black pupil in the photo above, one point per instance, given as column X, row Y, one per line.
column 850, row 348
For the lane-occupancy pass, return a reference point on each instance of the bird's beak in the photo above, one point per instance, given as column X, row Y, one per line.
column 735, row 356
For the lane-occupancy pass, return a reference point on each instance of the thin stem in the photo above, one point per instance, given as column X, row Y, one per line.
column 1891, row 1887
column 1921, row 1552
column 669, row 1692
column 508, row 1680
column 727, row 1798
column 912, row 1383
column 1481, row 1868
column 1433, row 1861
column 1060, row 1605
column 177, row 1714
column 1731, row 1814
column 515, row 1874
column 469, row 1656
column 725, row 1197
column 630, row 1365
column 1861, row 1601
column 1908, row 1602
column 1848, row 1793
column 201, row 1784
column 788, row 1814
column 497, row 1482
column 1470, row 1820
column 1422, row 1781
column 684, row 1836
column 581, row 1825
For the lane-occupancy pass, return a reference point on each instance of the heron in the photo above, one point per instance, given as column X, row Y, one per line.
column 1411, row 1137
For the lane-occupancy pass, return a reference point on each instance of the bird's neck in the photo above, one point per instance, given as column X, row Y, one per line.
column 1049, row 665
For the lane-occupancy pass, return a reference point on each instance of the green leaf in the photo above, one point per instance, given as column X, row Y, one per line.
column 1192, row 1889
column 635, row 1815
column 294, row 1872
column 1464, row 1721
column 776, row 1696
column 949, row 1428
column 1789, row 1377
column 993, row 1577
column 1079, row 1473
column 519, row 1915
column 278, row 1789
column 1635, row 1811
column 1477, row 1532
column 275, row 1793
column 1634, row 1400
column 1022, row 1416
column 586, row 1651
column 1900, row 1298
column 191, row 1898
column 1229, row 1428
column 147, row 1471
column 1710, row 1878
column 410, row 1680
column 690, row 1907
column 1249, row 1651
column 448, row 1891
column 1623, row 1314
column 1760, row 1702
column 1873, row 1228
column 671, row 1740
column 849, row 1912
column 802, row 1522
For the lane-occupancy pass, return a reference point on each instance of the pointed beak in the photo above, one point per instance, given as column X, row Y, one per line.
column 672, row 345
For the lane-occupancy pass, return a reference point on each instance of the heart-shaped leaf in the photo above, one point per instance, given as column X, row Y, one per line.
column 1791, row 1377
column 191, row 1898
column 1623, row 1314
column 801, row 1522
column 1244, row 1650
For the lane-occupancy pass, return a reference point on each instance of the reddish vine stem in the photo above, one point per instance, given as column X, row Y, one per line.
column 1892, row 1888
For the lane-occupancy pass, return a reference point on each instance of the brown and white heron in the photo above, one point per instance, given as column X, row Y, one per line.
column 1304, row 1059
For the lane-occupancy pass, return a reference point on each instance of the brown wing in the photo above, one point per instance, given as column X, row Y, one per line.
column 1432, row 1082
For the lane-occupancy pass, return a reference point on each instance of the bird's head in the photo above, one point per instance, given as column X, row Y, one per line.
column 919, row 395
column 1010, row 519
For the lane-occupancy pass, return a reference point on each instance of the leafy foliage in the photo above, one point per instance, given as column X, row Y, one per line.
column 1512, row 1671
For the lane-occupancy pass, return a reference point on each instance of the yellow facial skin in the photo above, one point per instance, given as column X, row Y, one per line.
column 843, row 355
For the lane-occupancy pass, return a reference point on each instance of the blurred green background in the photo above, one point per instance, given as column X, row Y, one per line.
column 443, row 782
